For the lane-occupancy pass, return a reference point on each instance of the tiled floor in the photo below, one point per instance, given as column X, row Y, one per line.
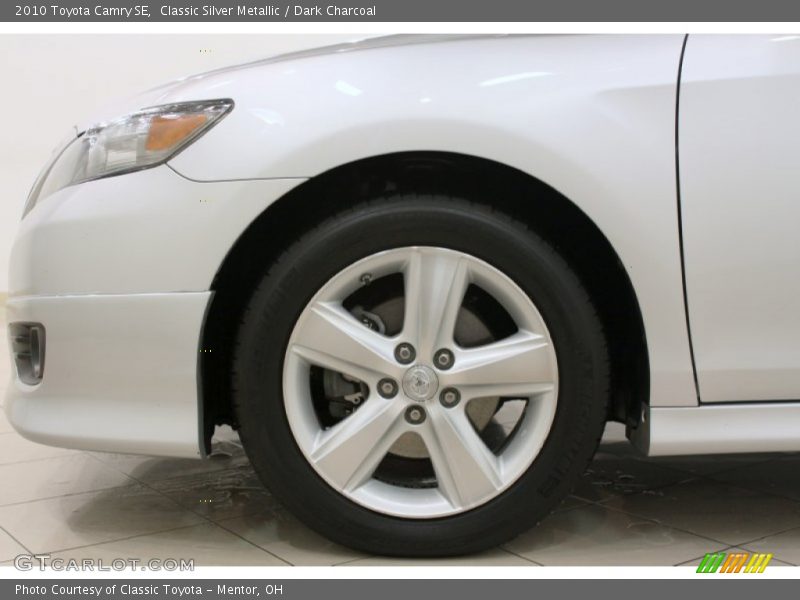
column 627, row 511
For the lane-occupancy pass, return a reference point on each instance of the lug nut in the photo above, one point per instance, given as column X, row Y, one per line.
column 387, row 388
column 449, row 397
column 443, row 359
column 415, row 415
column 405, row 353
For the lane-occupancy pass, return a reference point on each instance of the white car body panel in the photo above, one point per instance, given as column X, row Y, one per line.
column 121, row 373
column 720, row 429
column 123, row 327
column 123, row 319
column 189, row 229
column 740, row 183
column 591, row 116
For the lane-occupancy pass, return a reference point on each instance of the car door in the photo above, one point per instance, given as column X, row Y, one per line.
column 739, row 172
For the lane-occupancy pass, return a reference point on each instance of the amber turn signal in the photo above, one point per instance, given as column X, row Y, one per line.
column 168, row 131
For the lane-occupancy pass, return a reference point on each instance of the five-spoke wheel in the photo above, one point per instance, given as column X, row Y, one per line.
column 419, row 375
column 437, row 380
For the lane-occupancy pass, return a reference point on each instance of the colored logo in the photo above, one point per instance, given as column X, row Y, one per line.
column 736, row 562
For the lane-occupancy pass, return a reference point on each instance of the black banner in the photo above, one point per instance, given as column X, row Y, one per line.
column 708, row 586
column 401, row 10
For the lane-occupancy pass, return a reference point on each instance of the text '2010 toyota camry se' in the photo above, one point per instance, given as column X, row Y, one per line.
column 419, row 274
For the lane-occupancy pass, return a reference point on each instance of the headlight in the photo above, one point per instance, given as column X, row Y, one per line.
column 137, row 141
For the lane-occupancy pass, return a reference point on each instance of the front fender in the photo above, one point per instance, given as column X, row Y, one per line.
column 591, row 116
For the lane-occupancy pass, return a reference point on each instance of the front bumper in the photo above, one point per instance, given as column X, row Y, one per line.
column 119, row 273
column 120, row 373
column 151, row 231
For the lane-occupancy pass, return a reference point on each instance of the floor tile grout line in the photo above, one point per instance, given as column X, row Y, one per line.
column 150, row 484
column 668, row 526
column 164, row 479
column 683, row 563
column 709, row 475
column 194, row 512
column 69, row 495
column 135, row 482
column 694, row 478
column 567, row 509
column 150, row 487
column 603, row 503
column 757, row 490
column 68, row 454
column 699, row 478
column 654, row 488
column 530, row 560
column 352, row 560
column 177, row 478
column 158, row 492
column 117, row 469
column 650, row 520
column 769, row 535
column 754, row 463
column 13, row 537
column 711, row 479
column 663, row 524
column 501, row 548
column 125, row 538
column 202, row 516
column 251, row 542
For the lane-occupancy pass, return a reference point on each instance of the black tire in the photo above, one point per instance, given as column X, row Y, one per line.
column 421, row 220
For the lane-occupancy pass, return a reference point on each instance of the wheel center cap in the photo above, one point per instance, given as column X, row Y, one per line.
column 420, row 383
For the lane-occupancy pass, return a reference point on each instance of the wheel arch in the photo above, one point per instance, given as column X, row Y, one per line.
column 528, row 199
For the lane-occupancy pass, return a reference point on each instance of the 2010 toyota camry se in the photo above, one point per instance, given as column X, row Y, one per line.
column 420, row 274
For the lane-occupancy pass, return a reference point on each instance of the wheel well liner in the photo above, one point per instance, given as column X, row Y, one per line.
column 510, row 191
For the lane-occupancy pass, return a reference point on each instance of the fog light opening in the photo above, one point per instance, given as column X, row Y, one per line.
column 28, row 350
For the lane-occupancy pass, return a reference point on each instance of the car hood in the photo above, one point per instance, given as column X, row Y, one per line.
column 162, row 93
